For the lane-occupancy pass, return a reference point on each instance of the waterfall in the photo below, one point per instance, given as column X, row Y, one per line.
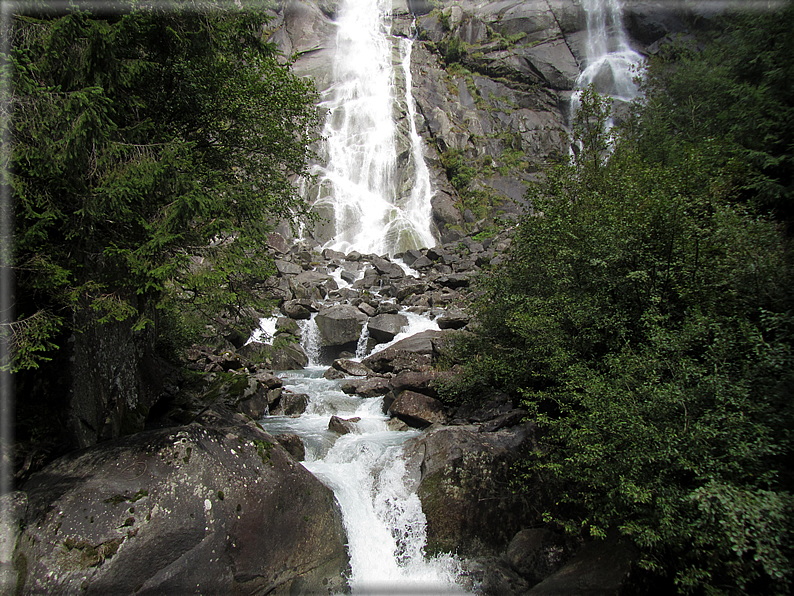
column 359, row 191
column 610, row 63
column 310, row 339
column 418, row 209
column 383, row 519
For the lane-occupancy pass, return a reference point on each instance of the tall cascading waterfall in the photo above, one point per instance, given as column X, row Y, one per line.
column 371, row 206
column 610, row 63
column 360, row 194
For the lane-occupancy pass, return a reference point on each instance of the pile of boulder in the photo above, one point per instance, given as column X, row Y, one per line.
column 344, row 294
column 462, row 464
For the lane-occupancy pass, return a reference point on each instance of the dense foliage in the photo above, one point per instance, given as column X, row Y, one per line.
column 733, row 89
column 644, row 318
column 153, row 150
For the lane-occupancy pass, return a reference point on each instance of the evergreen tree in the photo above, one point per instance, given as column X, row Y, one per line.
column 153, row 150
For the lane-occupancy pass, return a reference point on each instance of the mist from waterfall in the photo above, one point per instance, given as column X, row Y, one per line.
column 358, row 186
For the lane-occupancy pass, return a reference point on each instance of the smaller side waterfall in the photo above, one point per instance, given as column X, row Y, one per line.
column 610, row 63
column 418, row 209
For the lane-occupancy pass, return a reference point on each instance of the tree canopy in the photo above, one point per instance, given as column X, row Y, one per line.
column 153, row 150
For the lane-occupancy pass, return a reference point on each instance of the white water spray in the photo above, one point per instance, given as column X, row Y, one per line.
column 310, row 339
column 610, row 63
column 358, row 187
column 383, row 519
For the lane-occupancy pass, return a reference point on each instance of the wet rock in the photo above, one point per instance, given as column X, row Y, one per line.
column 332, row 374
column 423, row 263
column 287, row 326
column 290, row 404
column 460, row 474
column 343, row 426
column 413, row 353
column 387, row 268
column 340, row 324
column 293, row 444
column 351, row 367
column 385, row 327
column 366, row 387
column 253, row 401
column 417, row 409
column 396, row 424
column 215, row 509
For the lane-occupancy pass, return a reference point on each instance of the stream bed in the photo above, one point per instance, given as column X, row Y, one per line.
column 384, row 521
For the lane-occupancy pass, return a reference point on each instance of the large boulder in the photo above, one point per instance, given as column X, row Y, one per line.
column 385, row 327
column 219, row 509
column 416, row 409
column 284, row 354
column 460, row 475
column 113, row 379
column 351, row 367
column 343, row 426
column 340, row 324
column 536, row 553
column 312, row 285
column 600, row 568
column 298, row 309
column 290, row 404
column 366, row 387
column 416, row 352
column 421, row 382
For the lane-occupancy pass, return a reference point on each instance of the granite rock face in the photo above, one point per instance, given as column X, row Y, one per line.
column 460, row 475
column 492, row 82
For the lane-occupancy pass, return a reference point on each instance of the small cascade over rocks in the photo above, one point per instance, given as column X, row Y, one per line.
column 371, row 389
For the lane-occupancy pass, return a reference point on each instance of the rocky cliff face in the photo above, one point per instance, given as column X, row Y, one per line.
column 492, row 82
